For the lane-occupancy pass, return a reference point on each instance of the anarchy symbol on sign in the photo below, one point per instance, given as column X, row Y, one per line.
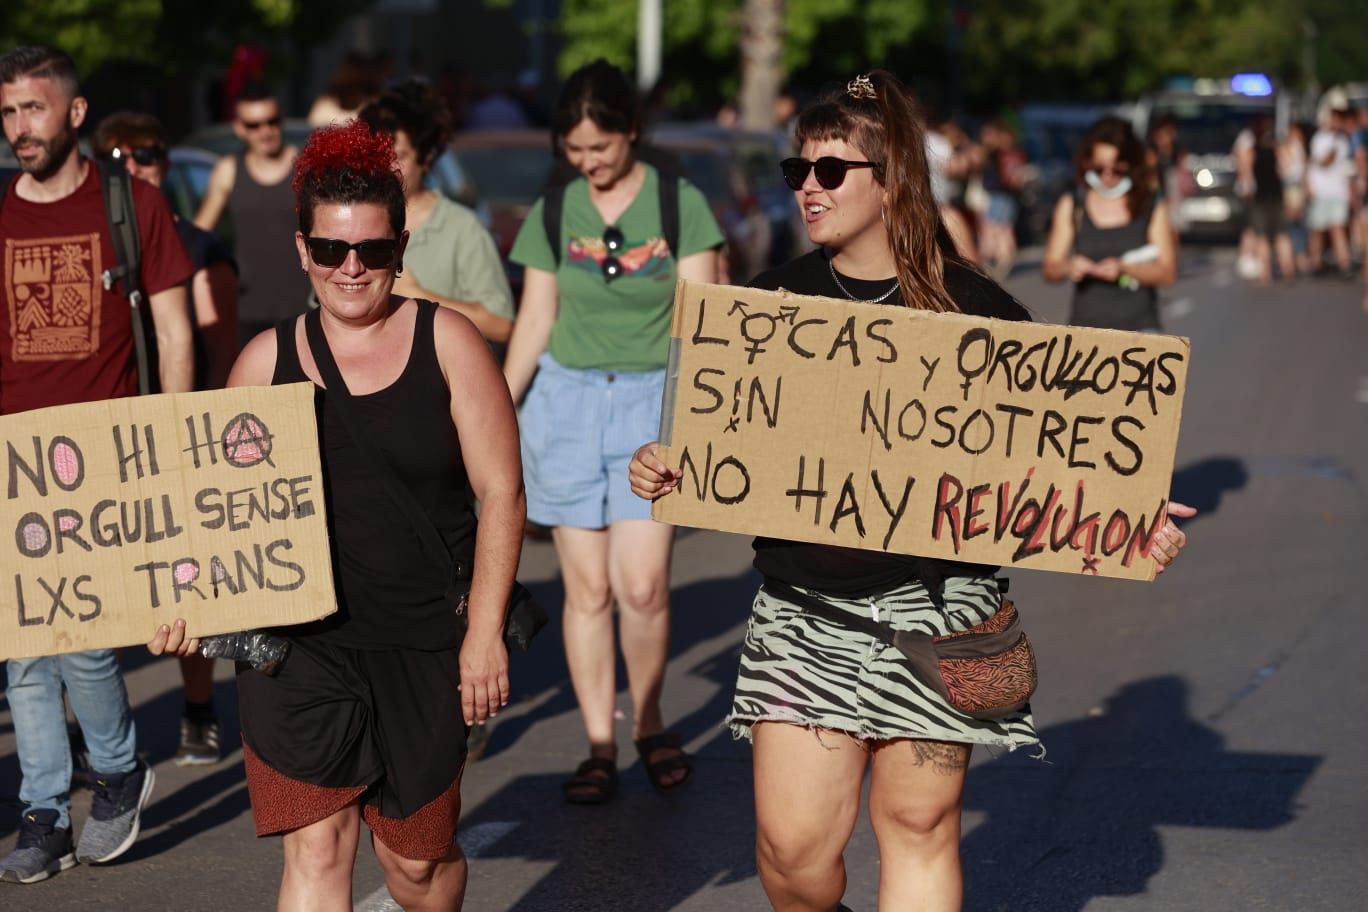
column 246, row 441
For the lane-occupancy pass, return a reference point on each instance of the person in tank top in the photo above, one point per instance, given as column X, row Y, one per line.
column 819, row 704
column 1112, row 236
column 253, row 187
column 367, row 717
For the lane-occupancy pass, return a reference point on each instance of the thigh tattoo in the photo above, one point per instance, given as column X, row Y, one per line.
column 946, row 758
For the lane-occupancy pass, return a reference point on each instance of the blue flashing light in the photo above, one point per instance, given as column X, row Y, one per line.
column 1256, row 85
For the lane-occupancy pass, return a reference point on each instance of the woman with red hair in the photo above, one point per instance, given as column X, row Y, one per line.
column 367, row 717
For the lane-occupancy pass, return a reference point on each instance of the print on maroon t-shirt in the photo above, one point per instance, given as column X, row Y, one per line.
column 63, row 337
column 53, row 284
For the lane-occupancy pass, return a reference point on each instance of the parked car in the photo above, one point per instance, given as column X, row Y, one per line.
column 507, row 171
column 187, row 179
column 1210, row 115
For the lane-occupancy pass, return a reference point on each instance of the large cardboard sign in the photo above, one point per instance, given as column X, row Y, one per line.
column 940, row 435
column 119, row 516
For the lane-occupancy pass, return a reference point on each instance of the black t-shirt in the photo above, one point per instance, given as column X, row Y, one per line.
column 855, row 572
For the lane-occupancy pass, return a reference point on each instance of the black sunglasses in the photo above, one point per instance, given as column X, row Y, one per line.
column 258, row 124
column 377, row 253
column 830, row 171
column 613, row 242
column 143, row 155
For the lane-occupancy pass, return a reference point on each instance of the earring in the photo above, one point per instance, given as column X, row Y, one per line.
column 399, row 270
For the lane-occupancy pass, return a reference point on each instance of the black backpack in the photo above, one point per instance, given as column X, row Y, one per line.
column 116, row 188
column 553, row 199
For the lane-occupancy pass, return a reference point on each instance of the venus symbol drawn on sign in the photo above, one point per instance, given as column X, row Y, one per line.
column 758, row 327
column 246, row 441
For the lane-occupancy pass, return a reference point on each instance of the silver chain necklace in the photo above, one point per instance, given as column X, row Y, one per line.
column 846, row 291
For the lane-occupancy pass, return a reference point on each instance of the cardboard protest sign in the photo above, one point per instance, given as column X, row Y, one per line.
column 939, row 435
column 122, row 515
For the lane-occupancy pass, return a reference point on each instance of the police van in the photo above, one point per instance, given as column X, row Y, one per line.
column 1210, row 114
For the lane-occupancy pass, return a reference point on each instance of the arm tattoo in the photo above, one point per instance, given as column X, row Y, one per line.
column 945, row 758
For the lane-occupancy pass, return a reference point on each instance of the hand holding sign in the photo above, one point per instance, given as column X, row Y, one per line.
column 939, row 435
column 124, row 516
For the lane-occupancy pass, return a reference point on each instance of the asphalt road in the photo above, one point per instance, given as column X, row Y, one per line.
column 1206, row 734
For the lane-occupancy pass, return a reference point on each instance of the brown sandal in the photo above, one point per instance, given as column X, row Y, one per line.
column 595, row 782
column 660, row 769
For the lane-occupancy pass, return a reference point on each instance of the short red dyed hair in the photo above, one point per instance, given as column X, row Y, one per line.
column 347, row 164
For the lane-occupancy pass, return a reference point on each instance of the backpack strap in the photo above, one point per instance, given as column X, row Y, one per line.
column 669, row 210
column 667, row 186
column 6, row 192
column 116, row 187
column 553, row 204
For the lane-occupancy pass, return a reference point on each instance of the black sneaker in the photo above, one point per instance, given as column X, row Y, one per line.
column 199, row 742
column 43, row 849
column 115, row 813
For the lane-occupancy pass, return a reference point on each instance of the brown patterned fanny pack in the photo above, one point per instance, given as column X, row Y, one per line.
column 987, row 672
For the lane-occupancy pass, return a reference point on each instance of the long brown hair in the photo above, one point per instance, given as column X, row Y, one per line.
column 876, row 115
column 1113, row 131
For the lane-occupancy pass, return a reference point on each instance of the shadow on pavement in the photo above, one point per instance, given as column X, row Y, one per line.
column 699, row 612
column 642, row 850
column 1084, row 823
column 158, row 727
column 1204, row 483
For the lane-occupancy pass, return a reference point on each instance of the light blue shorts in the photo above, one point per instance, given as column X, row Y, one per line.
column 579, row 431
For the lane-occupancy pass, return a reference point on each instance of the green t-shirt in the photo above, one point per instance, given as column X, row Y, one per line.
column 451, row 254
column 623, row 325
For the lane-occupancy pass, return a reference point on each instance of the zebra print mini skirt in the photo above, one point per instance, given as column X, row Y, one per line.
column 806, row 671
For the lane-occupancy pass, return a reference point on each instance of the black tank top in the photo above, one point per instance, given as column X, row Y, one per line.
column 272, row 284
column 1267, row 182
column 1109, row 305
column 389, row 596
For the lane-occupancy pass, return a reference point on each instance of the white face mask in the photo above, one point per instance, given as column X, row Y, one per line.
column 1123, row 186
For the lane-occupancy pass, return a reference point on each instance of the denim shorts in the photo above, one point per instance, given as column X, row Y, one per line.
column 1323, row 214
column 580, row 428
column 1002, row 208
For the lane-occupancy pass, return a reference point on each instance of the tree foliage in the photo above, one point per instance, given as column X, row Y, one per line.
column 1012, row 49
column 174, row 38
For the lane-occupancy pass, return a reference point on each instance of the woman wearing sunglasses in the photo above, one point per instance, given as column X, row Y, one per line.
column 367, row 716
column 1112, row 236
column 594, row 327
column 818, row 704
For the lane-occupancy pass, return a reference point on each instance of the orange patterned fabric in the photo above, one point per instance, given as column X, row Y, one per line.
column 281, row 804
column 424, row 835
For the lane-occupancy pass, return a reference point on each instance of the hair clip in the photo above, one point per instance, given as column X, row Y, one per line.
column 861, row 87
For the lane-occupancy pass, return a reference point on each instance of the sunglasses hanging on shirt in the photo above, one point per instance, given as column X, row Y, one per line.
column 614, row 242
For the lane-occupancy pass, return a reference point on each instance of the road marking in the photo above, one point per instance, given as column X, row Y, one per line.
column 1178, row 308
column 474, row 841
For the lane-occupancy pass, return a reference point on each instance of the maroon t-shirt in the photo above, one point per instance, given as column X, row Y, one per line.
column 63, row 338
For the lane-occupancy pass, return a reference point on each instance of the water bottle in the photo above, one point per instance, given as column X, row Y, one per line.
column 265, row 652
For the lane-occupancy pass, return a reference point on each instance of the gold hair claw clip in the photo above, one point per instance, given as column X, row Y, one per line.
column 861, row 87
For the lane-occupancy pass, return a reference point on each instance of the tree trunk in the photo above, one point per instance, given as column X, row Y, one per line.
column 762, row 46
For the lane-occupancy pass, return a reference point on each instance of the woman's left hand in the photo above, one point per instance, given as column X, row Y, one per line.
column 1169, row 540
column 484, row 676
column 1108, row 270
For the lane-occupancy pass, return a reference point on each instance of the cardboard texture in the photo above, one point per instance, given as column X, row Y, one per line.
column 122, row 515
column 941, row 435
